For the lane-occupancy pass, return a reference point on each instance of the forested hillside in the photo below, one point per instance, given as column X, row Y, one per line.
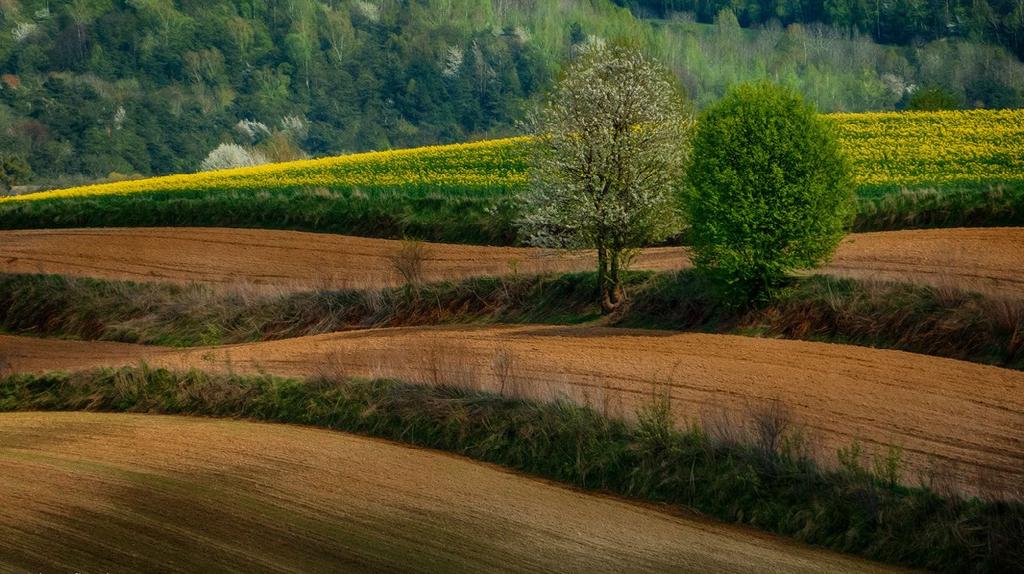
column 98, row 89
column 891, row 21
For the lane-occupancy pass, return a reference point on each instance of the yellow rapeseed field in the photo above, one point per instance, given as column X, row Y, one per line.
column 484, row 165
column 886, row 149
column 912, row 148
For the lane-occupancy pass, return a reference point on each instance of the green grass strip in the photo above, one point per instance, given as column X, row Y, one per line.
column 920, row 319
column 481, row 216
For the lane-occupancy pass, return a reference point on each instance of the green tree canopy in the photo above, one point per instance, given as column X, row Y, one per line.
column 769, row 190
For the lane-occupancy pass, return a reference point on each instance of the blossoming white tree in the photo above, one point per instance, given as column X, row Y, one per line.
column 612, row 140
column 229, row 155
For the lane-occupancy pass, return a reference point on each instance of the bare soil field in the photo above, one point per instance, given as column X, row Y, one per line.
column 140, row 493
column 283, row 259
column 987, row 260
column 958, row 420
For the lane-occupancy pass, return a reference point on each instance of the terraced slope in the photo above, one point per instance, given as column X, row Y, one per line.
column 141, row 493
column 960, row 419
column 979, row 259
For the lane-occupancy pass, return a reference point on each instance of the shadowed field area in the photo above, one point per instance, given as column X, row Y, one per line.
column 104, row 492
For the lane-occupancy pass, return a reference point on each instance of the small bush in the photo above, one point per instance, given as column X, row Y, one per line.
column 13, row 170
column 933, row 99
column 769, row 191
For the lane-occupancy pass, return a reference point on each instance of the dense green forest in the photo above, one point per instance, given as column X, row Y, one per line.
column 97, row 89
column 889, row 21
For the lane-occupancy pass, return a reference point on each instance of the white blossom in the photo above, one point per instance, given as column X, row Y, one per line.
column 369, row 10
column 453, row 59
column 612, row 142
column 22, row 31
column 896, row 85
column 295, row 126
column 229, row 155
column 119, row 116
column 252, row 129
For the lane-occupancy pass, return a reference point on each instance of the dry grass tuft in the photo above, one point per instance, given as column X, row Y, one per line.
column 770, row 425
column 503, row 368
column 333, row 367
column 408, row 262
column 724, row 426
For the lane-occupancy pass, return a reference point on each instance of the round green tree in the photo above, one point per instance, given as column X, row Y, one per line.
column 769, row 191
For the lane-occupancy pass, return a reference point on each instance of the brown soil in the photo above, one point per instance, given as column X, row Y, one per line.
column 956, row 420
column 284, row 259
column 143, row 493
column 979, row 259
column 989, row 260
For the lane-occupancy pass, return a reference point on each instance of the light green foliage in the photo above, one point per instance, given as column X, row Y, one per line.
column 769, row 191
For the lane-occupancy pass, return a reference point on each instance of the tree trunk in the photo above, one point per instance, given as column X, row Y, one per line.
column 608, row 278
column 617, row 293
column 604, row 280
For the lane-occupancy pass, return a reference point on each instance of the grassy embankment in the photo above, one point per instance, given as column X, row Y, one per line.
column 939, row 169
column 759, row 474
column 935, row 321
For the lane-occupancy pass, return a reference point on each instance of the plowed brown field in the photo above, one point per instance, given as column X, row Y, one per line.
column 979, row 259
column 285, row 259
column 961, row 420
column 990, row 260
column 143, row 493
